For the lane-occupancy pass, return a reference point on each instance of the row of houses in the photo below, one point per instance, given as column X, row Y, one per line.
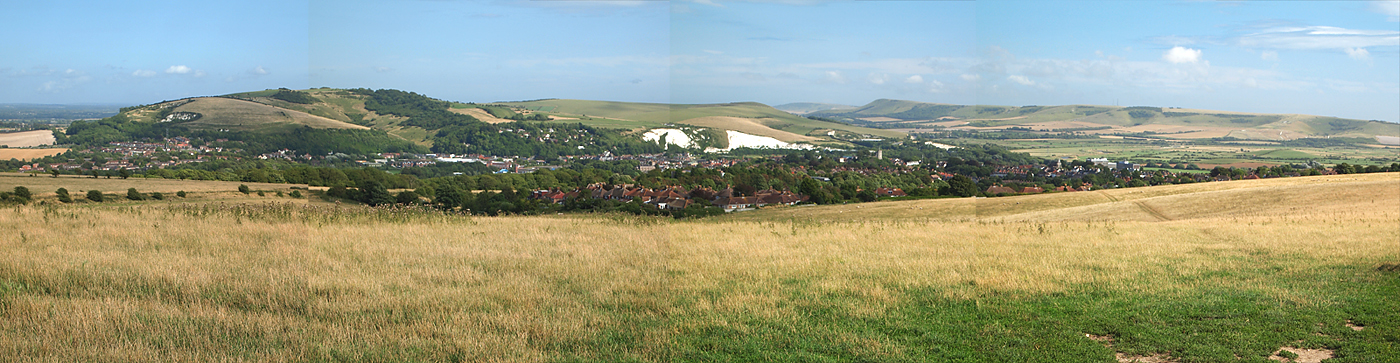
column 1000, row 189
column 674, row 198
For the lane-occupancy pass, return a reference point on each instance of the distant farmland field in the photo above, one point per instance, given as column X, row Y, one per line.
column 1208, row 272
column 27, row 138
column 27, row 154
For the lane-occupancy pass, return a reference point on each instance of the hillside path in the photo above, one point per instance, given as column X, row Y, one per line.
column 1153, row 211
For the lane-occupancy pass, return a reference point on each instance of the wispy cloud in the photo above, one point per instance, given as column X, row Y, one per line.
column 1269, row 55
column 834, row 77
column 69, row 78
column 143, row 73
column 613, row 61
column 180, row 69
column 773, row 39
column 1360, row 54
column 707, row 2
column 1391, row 8
column 878, row 78
column 1021, row 79
column 1318, row 38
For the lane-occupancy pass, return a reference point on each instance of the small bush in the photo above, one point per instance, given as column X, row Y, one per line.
column 261, row 194
column 296, row 194
column 63, row 195
column 94, row 195
column 157, row 196
column 23, row 194
column 243, row 188
column 180, row 194
column 132, row 194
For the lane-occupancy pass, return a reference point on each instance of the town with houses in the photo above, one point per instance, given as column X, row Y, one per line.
column 137, row 157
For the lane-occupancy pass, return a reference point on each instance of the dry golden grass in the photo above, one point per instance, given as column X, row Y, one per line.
column 27, row 154
column 295, row 283
column 239, row 114
column 480, row 114
column 26, row 139
column 150, row 284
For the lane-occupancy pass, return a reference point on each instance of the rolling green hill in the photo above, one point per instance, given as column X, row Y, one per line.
column 1165, row 122
column 736, row 116
column 809, row 107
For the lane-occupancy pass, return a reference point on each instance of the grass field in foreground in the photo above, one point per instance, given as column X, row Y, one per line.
column 1212, row 272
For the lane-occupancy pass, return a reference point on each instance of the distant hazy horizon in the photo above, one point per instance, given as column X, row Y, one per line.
column 1310, row 57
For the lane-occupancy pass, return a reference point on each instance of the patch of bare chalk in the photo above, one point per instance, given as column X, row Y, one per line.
column 1297, row 355
column 1107, row 341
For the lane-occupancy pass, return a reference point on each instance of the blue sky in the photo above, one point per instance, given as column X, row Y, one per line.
column 1336, row 58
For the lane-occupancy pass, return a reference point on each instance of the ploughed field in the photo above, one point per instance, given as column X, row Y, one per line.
column 1213, row 272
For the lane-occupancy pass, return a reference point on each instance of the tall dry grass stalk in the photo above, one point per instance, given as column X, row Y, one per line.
column 283, row 282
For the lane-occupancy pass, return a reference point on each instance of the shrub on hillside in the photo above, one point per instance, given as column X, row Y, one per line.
column 294, row 96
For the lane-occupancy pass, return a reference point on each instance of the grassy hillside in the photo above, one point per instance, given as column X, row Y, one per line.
column 1214, row 272
column 651, row 115
column 228, row 113
column 1170, row 122
column 807, row 107
column 346, row 106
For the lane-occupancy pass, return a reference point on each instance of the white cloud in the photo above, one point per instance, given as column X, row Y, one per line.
column 971, row 77
column 143, row 73
column 1269, row 55
column 383, row 69
column 178, row 70
column 1391, row 8
column 259, row 71
column 1182, row 55
column 199, row 73
column 915, row 79
column 1021, row 79
column 707, row 2
column 715, row 52
column 1358, row 54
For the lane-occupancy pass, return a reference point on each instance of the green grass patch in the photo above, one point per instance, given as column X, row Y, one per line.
column 1210, row 323
column 1285, row 154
